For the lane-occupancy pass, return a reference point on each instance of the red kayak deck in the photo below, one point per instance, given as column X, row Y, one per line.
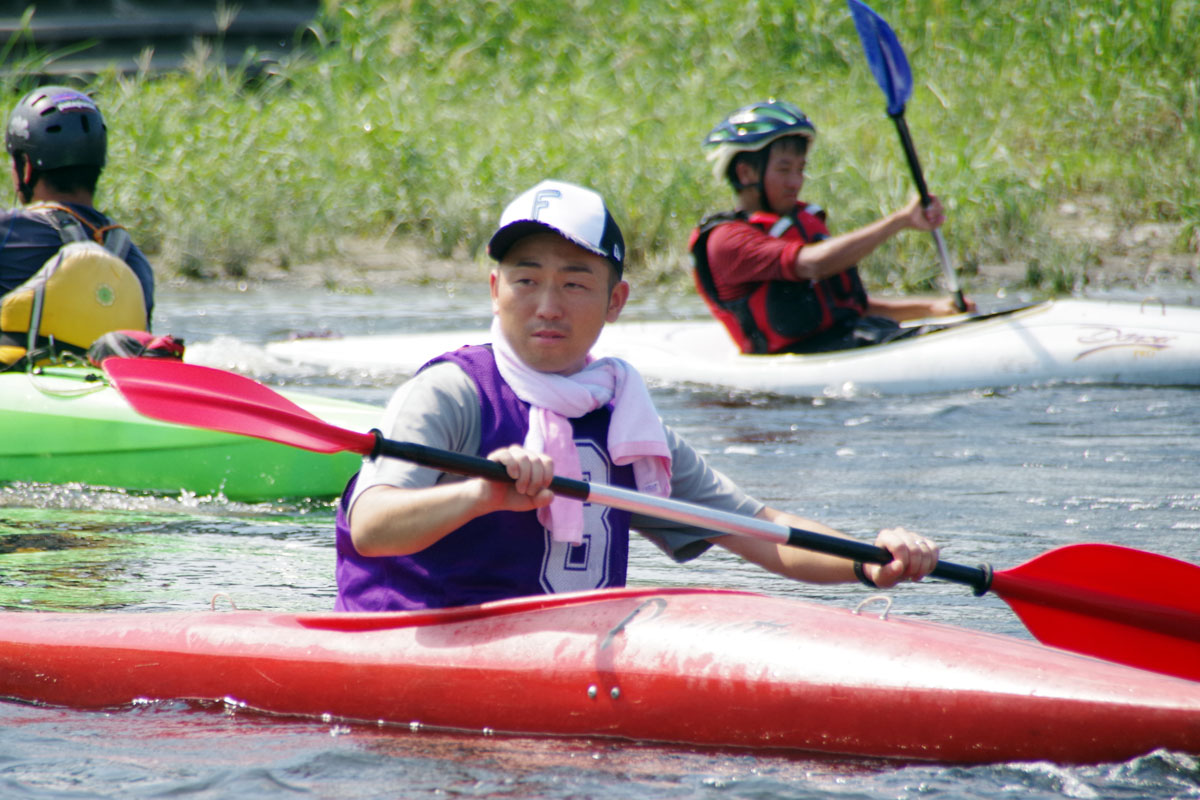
column 684, row 666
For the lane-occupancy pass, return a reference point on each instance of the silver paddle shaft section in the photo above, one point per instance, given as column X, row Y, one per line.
column 737, row 524
column 947, row 266
column 950, row 272
column 687, row 514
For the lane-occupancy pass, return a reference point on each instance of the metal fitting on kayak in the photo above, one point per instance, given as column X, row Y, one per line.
column 212, row 603
column 876, row 598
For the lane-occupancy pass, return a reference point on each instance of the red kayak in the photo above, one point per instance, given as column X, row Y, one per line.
column 685, row 666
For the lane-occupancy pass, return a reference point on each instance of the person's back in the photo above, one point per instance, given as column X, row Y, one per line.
column 31, row 236
column 58, row 141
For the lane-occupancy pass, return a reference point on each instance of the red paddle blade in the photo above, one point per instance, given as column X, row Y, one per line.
column 1111, row 602
column 202, row 397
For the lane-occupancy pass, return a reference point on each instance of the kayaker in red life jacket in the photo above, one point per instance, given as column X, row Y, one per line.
column 535, row 400
column 769, row 270
column 58, row 142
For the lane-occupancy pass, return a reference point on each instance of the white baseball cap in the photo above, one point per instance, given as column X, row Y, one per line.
column 573, row 212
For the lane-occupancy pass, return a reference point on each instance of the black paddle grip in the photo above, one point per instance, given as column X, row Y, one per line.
column 978, row 578
column 461, row 464
column 914, row 164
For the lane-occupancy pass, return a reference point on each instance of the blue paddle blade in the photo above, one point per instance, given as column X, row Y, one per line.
column 884, row 55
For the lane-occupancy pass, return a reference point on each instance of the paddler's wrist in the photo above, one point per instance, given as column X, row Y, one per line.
column 481, row 496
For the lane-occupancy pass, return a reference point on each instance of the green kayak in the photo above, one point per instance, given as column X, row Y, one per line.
column 66, row 425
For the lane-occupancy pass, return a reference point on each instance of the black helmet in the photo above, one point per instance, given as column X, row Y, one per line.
column 55, row 126
column 752, row 128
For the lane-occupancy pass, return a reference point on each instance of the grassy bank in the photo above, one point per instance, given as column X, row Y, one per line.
column 419, row 120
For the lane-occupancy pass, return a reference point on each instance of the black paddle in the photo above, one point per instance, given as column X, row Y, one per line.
column 889, row 65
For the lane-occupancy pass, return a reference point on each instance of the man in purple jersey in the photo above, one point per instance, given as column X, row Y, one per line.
column 535, row 400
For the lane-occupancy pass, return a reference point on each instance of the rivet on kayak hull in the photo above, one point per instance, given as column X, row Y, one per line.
column 414, row 726
column 616, row 693
column 592, row 692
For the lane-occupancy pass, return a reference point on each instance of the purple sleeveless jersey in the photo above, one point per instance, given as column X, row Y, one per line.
column 504, row 554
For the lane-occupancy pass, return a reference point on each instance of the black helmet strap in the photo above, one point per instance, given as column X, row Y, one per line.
column 757, row 159
column 24, row 188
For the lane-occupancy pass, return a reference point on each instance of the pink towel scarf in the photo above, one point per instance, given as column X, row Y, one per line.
column 635, row 433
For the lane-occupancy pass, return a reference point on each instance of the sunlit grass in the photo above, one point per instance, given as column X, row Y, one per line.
column 419, row 120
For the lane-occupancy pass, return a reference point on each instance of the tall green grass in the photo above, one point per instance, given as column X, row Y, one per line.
column 421, row 119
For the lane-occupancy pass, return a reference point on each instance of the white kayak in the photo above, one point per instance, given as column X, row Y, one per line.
column 1055, row 341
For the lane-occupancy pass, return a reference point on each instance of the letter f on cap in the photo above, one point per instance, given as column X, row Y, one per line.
column 542, row 200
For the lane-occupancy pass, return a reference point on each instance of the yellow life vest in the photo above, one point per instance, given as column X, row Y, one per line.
column 81, row 293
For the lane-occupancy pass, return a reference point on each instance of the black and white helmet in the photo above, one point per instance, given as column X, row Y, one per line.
column 55, row 126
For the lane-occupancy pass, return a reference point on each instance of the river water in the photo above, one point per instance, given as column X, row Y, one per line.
column 1000, row 476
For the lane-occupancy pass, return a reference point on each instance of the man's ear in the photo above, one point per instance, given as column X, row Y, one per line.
column 616, row 301
column 746, row 173
column 493, row 284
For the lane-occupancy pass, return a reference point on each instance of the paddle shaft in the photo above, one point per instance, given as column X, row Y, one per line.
column 914, row 165
column 977, row 578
